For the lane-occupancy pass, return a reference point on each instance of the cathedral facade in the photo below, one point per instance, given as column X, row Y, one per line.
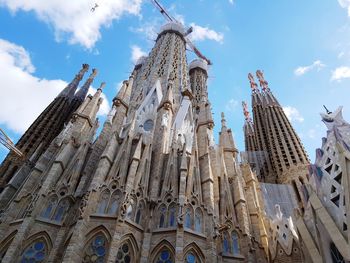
column 154, row 186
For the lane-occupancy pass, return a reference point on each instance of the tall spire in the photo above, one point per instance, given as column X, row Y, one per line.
column 81, row 93
column 72, row 87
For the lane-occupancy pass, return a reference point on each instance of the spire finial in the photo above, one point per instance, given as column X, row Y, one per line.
column 81, row 93
column 103, row 84
column 223, row 121
column 245, row 111
column 253, row 84
column 72, row 87
column 328, row 112
column 263, row 83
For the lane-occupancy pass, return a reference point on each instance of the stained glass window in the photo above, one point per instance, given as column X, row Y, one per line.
column 171, row 218
column 51, row 205
column 96, row 250
column 188, row 221
column 198, row 221
column 191, row 258
column 61, row 209
column 162, row 216
column 235, row 243
column 164, row 257
column 226, row 244
column 124, row 254
column 36, row 252
column 103, row 202
column 114, row 203
column 138, row 216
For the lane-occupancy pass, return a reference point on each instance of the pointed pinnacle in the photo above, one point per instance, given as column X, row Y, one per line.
column 103, row 84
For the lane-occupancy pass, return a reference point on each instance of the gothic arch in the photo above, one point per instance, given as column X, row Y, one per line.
column 32, row 241
column 195, row 249
column 131, row 249
column 164, row 244
column 5, row 243
column 97, row 244
column 100, row 229
column 44, row 235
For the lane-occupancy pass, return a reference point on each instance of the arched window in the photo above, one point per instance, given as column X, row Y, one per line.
column 139, row 212
column 61, row 210
column 235, row 243
column 46, row 213
column 124, row 254
column 188, row 219
column 191, row 258
column 162, row 216
column 335, row 254
column 96, row 250
column 130, row 209
column 35, row 252
column 114, row 203
column 172, row 215
column 164, row 257
column 198, row 221
column 226, row 244
column 101, row 209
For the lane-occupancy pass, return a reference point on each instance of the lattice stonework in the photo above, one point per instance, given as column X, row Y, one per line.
column 332, row 184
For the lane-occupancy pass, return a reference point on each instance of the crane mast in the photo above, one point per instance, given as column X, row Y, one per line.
column 6, row 141
column 163, row 11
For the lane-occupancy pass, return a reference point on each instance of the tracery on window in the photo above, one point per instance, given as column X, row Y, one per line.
column 188, row 218
column 96, row 249
column 164, row 256
column 198, row 220
column 109, row 201
column 35, row 252
column 191, row 258
column 124, row 254
column 231, row 243
column 56, row 209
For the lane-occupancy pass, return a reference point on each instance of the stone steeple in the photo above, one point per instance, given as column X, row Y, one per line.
column 37, row 138
column 266, row 172
column 285, row 146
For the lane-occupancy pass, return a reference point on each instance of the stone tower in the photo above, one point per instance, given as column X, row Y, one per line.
column 38, row 137
column 266, row 172
column 284, row 158
column 153, row 187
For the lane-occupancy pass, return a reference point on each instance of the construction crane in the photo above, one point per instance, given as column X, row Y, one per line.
column 163, row 11
column 6, row 141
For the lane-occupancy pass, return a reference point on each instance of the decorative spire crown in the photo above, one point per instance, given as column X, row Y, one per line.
column 246, row 111
column 81, row 93
column 263, row 83
column 72, row 87
column 253, row 84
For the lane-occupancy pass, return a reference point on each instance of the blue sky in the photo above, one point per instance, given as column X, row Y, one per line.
column 302, row 46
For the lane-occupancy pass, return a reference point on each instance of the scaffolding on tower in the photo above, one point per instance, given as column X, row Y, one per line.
column 168, row 17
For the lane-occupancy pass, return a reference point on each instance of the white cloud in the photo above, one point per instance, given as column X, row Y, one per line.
column 231, row 2
column 345, row 4
column 231, row 105
column 318, row 65
column 24, row 96
column 293, row 114
column 74, row 19
column 202, row 33
column 136, row 53
column 341, row 73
